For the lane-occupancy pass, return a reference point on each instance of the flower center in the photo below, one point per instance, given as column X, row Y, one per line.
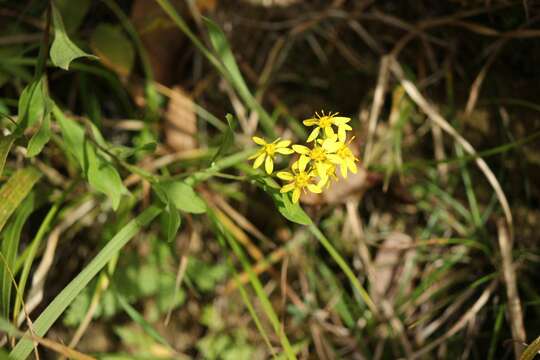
column 344, row 152
column 318, row 154
column 302, row 179
column 270, row 149
column 325, row 121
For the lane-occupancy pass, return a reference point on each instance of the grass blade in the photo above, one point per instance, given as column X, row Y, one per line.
column 15, row 190
column 68, row 294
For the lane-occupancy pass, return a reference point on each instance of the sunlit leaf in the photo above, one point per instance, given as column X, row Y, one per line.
column 63, row 50
column 41, row 137
column 182, row 196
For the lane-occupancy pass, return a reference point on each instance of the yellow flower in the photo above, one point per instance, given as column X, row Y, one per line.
column 268, row 152
column 299, row 180
column 325, row 123
column 319, row 154
column 344, row 157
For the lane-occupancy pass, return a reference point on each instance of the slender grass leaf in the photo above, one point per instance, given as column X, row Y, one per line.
column 15, row 190
column 182, row 196
column 63, row 50
column 9, row 247
column 53, row 311
column 113, row 48
column 532, row 350
column 5, row 145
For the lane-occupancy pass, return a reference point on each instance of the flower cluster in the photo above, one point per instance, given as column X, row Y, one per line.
column 315, row 166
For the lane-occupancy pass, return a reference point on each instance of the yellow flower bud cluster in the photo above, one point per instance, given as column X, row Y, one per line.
column 316, row 165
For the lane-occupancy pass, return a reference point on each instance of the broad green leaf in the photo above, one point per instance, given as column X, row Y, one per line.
column 182, row 196
column 289, row 210
column 73, row 136
column 101, row 174
column 41, row 137
column 32, row 104
column 170, row 220
column 5, row 145
column 103, row 177
column 114, row 49
column 9, row 247
column 53, row 311
column 15, row 190
column 63, row 50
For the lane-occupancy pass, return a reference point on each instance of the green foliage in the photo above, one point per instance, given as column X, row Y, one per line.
column 15, row 190
column 63, row 50
column 181, row 196
column 57, row 307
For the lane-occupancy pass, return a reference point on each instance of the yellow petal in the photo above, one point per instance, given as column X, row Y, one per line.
column 310, row 122
column 314, row 188
column 296, row 195
column 302, row 163
column 333, row 158
column 331, row 145
column 287, row 188
column 259, row 141
column 284, row 175
column 301, row 149
column 352, row 166
column 329, row 132
column 338, row 120
column 283, row 143
column 313, row 134
column 269, row 165
column 257, row 154
column 342, row 135
column 284, row 151
column 343, row 168
column 321, row 169
column 258, row 162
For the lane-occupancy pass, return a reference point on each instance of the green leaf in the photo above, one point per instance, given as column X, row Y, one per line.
column 73, row 136
column 41, row 137
column 101, row 174
column 53, row 311
column 15, row 190
column 5, row 145
column 32, row 105
column 103, row 177
column 170, row 220
column 113, row 48
column 289, row 210
column 182, row 196
column 9, row 247
column 63, row 50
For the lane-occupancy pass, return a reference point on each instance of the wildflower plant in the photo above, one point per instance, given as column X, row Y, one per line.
column 326, row 149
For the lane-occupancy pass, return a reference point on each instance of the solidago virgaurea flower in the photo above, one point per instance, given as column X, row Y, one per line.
column 268, row 152
column 325, row 123
column 300, row 180
column 318, row 155
column 344, row 157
